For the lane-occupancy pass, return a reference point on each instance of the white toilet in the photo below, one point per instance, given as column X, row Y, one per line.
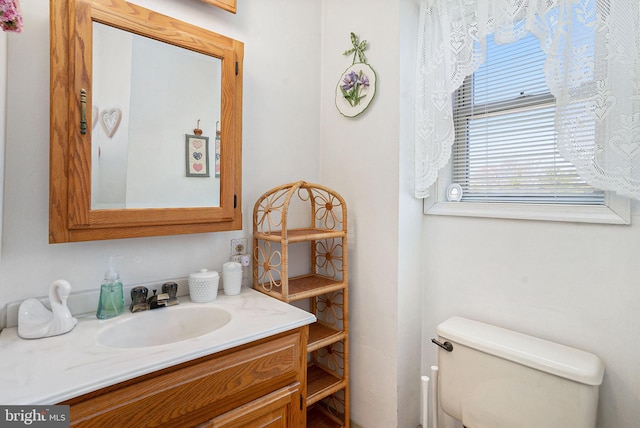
column 498, row 378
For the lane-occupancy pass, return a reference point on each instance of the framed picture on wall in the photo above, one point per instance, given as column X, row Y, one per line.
column 197, row 155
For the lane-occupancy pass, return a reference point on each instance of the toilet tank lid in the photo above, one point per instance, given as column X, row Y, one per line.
column 529, row 351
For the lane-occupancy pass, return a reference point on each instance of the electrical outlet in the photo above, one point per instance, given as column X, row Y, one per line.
column 238, row 246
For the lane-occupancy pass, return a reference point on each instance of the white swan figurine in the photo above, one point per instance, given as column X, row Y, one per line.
column 36, row 321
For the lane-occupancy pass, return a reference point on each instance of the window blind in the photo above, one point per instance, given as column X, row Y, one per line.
column 505, row 148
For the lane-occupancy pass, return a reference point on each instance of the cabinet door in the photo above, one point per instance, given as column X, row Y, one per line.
column 275, row 410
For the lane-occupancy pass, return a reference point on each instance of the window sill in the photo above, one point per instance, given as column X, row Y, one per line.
column 617, row 210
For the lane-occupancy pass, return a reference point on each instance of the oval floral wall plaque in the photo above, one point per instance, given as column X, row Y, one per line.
column 357, row 85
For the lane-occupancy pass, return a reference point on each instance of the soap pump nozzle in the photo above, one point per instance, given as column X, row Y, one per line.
column 111, row 274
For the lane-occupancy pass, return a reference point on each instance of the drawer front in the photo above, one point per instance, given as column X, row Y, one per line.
column 195, row 392
column 275, row 410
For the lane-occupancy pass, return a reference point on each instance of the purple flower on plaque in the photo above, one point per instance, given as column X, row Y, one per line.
column 353, row 84
column 349, row 80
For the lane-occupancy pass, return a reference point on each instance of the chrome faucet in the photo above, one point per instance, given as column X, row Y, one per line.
column 157, row 300
column 140, row 302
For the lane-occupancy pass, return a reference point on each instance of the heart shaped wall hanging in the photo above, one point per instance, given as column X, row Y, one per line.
column 110, row 120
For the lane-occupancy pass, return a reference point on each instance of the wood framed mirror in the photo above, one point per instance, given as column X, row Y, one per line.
column 120, row 153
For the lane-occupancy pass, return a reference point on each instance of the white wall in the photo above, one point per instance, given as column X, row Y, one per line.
column 281, row 140
column 410, row 246
column 361, row 158
column 576, row 284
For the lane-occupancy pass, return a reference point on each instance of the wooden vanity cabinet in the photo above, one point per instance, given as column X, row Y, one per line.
column 261, row 384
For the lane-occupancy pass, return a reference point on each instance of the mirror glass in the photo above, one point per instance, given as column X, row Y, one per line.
column 147, row 99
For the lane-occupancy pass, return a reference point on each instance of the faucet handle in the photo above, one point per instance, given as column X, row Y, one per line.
column 139, row 294
column 139, row 299
column 171, row 288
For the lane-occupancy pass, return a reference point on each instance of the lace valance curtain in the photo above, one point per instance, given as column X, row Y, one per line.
column 592, row 68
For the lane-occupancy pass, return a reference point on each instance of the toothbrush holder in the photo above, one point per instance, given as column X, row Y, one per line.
column 231, row 278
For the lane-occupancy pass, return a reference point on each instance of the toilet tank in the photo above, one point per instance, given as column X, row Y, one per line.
column 498, row 378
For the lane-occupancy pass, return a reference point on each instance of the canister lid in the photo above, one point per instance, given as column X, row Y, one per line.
column 231, row 267
column 204, row 274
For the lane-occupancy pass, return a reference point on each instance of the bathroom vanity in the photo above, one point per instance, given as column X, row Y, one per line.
column 260, row 381
column 250, row 371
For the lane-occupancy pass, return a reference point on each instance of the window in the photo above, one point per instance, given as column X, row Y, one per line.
column 505, row 162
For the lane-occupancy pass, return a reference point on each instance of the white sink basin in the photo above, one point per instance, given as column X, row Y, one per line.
column 162, row 326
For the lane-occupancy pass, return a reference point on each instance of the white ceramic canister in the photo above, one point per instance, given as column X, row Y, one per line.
column 203, row 286
column 231, row 278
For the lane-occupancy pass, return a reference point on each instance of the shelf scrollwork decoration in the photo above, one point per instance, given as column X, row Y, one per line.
column 324, row 227
column 357, row 85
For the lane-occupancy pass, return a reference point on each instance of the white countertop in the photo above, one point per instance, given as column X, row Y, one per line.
column 54, row 369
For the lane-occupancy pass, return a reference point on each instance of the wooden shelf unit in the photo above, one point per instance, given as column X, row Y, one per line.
column 324, row 285
column 304, row 287
column 321, row 335
column 319, row 417
column 301, row 235
column 321, row 383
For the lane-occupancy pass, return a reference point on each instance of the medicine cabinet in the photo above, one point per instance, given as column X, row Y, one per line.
column 146, row 123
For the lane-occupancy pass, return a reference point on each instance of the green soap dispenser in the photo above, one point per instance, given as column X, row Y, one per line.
column 111, row 303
